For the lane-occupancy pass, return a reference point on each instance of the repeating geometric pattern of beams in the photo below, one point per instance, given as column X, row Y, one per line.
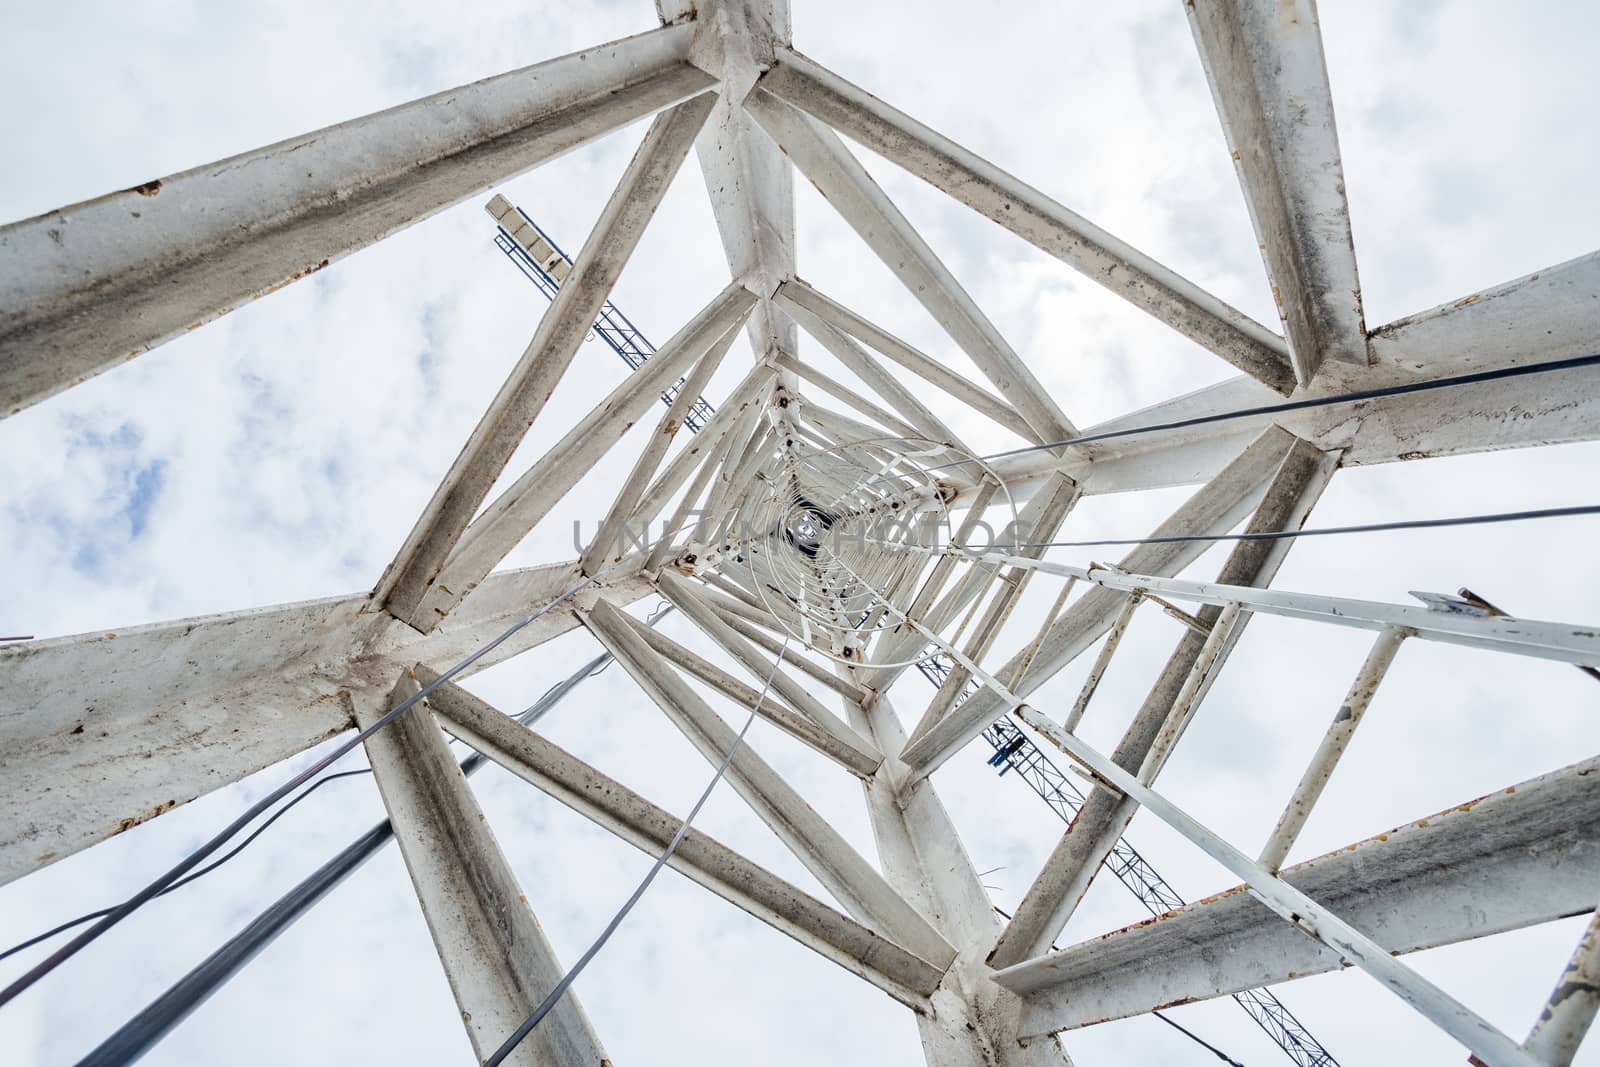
column 841, row 527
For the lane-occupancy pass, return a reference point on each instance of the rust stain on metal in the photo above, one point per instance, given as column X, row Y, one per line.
column 296, row 276
column 144, row 816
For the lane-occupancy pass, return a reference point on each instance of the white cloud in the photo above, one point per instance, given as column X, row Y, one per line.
column 283, row 452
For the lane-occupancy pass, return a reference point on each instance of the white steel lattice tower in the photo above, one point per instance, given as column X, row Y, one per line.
column 826, row 541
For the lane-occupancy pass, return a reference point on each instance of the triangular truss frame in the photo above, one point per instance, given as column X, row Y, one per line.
column 210, row 700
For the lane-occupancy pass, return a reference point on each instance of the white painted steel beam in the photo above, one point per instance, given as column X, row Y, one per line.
column 736, row 583
column 899, row 645
column 733, row 482
column 974, row 1023
column 1102, row 661
column 846, row 433
column 1033, row 216
column 840, row 745
column 1065, row 878
column 1547, row 409
column 1520, row 856
column 861, row 363
column 650, row 457
column 858, row 888
column 736, row 609
column 88, row 286
column 687, row 599
column 498, row 961
column 739, row 463
column 122, row 725
column 749, row 183
column 1264, row 61
column 1564, row 642
column 705, row 448
column 510, row 516
column 566, row 322
column 1571, row 1008
column 791, row 655
column 850, row 190
column 1287, row 902
column 1550, row 314
column 1329, row 751
column 795, row 293
column 1054, row 503
column 892, row 424
column 700, row 857
column 678, row 524
column 1214, row 508
column 1553, row 314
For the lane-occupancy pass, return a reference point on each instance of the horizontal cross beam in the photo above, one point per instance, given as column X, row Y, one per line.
column 88, row 286
column 1033, row 216
column 701, row 857
column 147, row 718
column 1523, row 855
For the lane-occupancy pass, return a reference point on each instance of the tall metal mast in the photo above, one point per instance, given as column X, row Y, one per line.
column 823, row 532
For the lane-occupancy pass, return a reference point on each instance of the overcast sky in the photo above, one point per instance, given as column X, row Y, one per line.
column 283, row 452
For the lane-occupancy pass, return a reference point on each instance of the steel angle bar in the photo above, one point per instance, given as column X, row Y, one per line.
column 416, row 568
column 1031, row 215
column 1449, row 1014
column 700, row 857
column 89, row 286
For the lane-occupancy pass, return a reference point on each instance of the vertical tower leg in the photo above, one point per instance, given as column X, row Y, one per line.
column 973, row 1022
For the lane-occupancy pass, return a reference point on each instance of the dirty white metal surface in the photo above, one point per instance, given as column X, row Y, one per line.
column 813, row 840
column 119, row 726
column 124, row 724
column 89, row 285
column 824, row 159
column 1216, row 507
column 1033, row 216
column 701, row 857
column 506, row 520
column 499, row 963
column 1061, row 883
column 1264, row 61
column 415, row 571
column 1464, row 873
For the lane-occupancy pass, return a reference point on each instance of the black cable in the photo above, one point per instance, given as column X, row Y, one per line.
column 596, row 666
column 1197, row 1039
column 192, row 875
column 139, row 1034
column 1283, row 535
column 188, row 863
column 175, row 876
column 1475, row 378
